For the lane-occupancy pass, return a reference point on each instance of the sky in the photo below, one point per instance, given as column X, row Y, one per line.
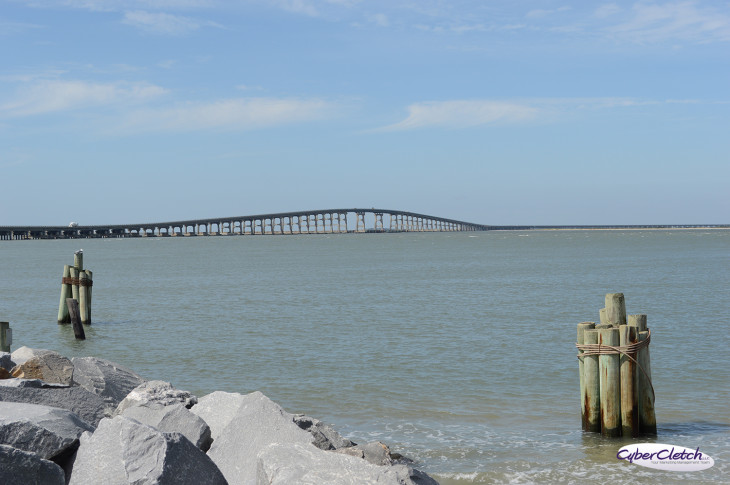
column 496, row 112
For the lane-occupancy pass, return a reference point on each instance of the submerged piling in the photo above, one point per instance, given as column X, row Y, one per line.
column 610, row 382
column 582, row 327
column 629, row 384
column 617, row 397
column 65, row 293
column 76, row 285
column 591, row 385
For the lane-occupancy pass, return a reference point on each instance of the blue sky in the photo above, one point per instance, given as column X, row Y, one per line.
column 496, row 112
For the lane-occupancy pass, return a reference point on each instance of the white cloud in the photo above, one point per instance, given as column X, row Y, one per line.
column 229, row 114
column 456, row 114
column 463, row 113
column 685, row 21
column 52, row 96
column 607, row 10
column 297, row 6
column 163, row 23
column 380, row 19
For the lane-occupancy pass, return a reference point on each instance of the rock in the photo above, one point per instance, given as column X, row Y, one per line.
column 159, row 392
column 254, row 422
column 46, row 431
column 48, row 366
column 6, row 361
column 173, row 418
column 218, row 409
column 109, row 380
column 325, row 436
column 122, row 451
column 86, row 405
column 296, row 463
column 33, row 383
column 22, row 354
column 18, row 467
column 374, row 452
column 4, row 374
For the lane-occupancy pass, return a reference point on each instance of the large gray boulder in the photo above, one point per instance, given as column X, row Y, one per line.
column 253, row 422
column 159, row 392
column 124, row 451
column 22, row 354
column 218, row 410
column 49, row 432
column 173, row 418
column 18, row 467
column 109, row 380
column 86, row 405
column 296, row 463
column 325, row 436
column 48, row 366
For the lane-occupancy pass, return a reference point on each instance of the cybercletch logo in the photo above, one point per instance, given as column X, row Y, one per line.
column 666, row 457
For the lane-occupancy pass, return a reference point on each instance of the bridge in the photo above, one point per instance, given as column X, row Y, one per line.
column 328, row 221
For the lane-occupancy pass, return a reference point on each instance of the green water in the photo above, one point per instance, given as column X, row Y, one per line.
column 456, row 349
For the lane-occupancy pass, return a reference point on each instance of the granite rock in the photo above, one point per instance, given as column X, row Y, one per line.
column 48, row 366
column 46, row 431
column 22, row 354
column 86, row 405
column 253, row 422
column 123, row 451
column 18, row 467
column 296, row 463
column 325, row 436
column 173, row 418
column 111, row 381
column 159, row 392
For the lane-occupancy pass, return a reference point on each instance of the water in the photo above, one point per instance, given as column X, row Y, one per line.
column 456, row 349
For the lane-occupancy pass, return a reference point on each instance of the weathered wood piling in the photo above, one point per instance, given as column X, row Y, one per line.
column 617, row 396
column 6, row 337
column 76, row 285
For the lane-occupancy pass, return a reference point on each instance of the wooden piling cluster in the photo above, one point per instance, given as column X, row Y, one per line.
column 76, row 285
column 617, row 396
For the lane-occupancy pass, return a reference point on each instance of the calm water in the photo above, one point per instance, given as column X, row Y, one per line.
column 456, row 349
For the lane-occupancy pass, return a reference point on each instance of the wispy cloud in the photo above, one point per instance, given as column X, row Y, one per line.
column 164, row 23
column 458, row 114
column 237, row 114
column 229, row 114
column 462, row 114
column 53, row 95
column 680, row 21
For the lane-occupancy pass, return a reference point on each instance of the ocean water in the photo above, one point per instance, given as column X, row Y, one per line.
column 456, row 349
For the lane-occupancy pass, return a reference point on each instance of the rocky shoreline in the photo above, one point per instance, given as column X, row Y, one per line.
column 87, row 420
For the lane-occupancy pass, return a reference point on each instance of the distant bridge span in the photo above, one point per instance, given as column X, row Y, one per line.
column 328, row 221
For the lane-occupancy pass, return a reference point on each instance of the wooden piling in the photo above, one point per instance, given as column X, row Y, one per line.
column 74, row 283
column 615, row 308
column 65, row 293
column 610, row 384
column 591, row 385
column 603, row 318
column 647, row 417
column 79, row 260
column 90, row 275
column 582, row 327
column 84, row 297
column 629, row 384
column 644, row 391
column 6, row 337
column 73, row 311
